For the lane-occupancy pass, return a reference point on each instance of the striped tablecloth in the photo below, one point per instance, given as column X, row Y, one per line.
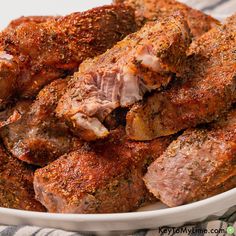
column 225, row 225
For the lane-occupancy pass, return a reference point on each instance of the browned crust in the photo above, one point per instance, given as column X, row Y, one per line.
column 38, row 137
column 16, row 184
column 197, row 165
column 201, row 96
column 27, row 19
column 104, row 177
column 147, row 10
column 100, row 82
column 43, row 52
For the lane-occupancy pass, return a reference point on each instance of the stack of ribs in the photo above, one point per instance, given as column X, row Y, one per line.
column 111, row 109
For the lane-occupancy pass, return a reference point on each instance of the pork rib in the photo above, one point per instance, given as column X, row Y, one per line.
column 199, row 164
column 34, row 54
column 142, row 62
column 200, row 97
column 16, row 184
column 151, row 10
column 101, row 177
column 37, row 136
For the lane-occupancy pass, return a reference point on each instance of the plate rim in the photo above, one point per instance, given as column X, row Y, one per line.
column 121, row 216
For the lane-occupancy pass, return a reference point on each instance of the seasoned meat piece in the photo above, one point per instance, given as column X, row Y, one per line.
column 8, row 71
column 142, row 62
column 150, row 10
column 101, row 177
column 38, row 137
column 16, row 184
column 202, row 95
column 29, row 19
column 34, row 54
column 194, row 166
column 7, row 67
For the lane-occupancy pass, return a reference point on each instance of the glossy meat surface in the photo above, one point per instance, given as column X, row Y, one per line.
column 38, row 137
column 101, row 177
column 13, row 113
column 16, row 184
column 199, row 164
column 34, row 54
column 149, row 10
column 142, row 62
column 200, row 97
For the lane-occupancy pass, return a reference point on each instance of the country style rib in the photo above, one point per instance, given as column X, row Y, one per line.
column 36, row 136
column 199, row 164
column 16, row 184
column 101, row 177
column 34, row 54
column 200, row 97
column 150, row 10
column 142, row 62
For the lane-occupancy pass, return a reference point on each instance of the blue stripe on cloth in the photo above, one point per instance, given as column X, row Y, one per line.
column 10, row 230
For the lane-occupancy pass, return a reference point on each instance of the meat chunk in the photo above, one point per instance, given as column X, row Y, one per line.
column 101, row 177
column 205, row 93
column 34, row 54
column 16, row 184
column 201, row 162
column 142, row 62
column 8, row 71
column 150, row 10
column 38, row 137
column 29, row 19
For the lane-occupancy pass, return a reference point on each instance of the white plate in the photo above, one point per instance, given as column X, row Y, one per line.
column 105, row 223
column 149, row 217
